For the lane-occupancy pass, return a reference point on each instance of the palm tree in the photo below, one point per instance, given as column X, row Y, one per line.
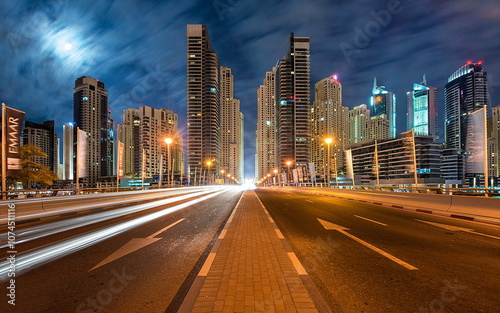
column 32, row 171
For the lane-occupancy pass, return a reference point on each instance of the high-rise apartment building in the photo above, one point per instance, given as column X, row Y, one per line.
column 465, row 93
column 68, row 151
column 156, row 125
column 423, row 109
column 377, row 127
column 266, row 126
column 231, row 126
column 203, row 103
column 384, row 102
column 43, row 135
column 128, row 134
column 293, row 104
column 91, row 114
column 357, row 120
column 328, row 120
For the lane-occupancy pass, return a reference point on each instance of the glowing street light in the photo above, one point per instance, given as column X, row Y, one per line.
column 168, row 141
column 208, row 165
column 288, row 172
column 328, row 141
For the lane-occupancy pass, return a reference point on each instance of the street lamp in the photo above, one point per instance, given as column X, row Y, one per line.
column 208, row 164
column 288, row 172
column 222, row 176
column 168, row 141
column 328, row 142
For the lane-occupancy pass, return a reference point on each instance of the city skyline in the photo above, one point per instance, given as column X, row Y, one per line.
column 65, row 58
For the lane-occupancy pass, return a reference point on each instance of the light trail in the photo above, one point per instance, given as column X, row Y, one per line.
column 47, row 229
column 36, row 257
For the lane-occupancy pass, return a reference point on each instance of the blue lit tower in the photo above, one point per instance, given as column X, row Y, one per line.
column 422, row 109
column 384, row 102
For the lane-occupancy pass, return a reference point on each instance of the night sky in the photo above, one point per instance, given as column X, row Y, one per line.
column 138, row 49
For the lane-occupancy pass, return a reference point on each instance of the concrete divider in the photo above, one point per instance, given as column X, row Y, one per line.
column 465, row 205
column 486, row 207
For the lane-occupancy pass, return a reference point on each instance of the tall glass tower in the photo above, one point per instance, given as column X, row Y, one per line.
column 422, row 109
column 384, row 102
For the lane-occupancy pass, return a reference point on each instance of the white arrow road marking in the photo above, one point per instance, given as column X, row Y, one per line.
column 456, row 228
column 370, row 220
column 134, row 245
column 330, row 226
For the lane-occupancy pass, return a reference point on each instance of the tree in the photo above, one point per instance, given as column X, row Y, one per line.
column 32, row 171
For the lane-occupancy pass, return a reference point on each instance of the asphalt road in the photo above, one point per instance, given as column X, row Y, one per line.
column 379, row 259
column 160, row 250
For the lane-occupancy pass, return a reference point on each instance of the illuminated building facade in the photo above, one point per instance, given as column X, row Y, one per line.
column 423, row 110
column 384, row 102
column 266, row 126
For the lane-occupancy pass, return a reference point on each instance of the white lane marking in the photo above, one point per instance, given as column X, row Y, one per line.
column 271, row 220
column 296, row 263
column 309, row 201
column 133, row 245
column 223, row 234
column 278, row 232
column 329, row 225
column 165, row 228
column 342, row 230
column 370, row 220
column 208, row 263
column 456, row 228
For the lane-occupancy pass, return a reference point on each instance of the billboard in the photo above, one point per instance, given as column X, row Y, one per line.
column 12, row 121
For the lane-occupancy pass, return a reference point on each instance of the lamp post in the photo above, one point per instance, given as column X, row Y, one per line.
column 208, row 173
column 222, row 176
column 168, row 141
column 275, row 174
column 328, row 142
column 268, row 179
column 288, row 173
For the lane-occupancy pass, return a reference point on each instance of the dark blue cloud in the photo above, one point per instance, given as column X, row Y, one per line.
column 138, row 49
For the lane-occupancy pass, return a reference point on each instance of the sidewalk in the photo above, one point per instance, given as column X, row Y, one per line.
column 252, row 269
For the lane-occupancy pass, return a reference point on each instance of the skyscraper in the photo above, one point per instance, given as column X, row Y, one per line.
column 156, row 125
column 231, row 126
column 68, row 151
column 293, row 104
column 384, row 102
column 356, row 121
column 43, row 135
column 328, row 120
column 422, row 109
column 90, row 114
column 203, row 102
column 465, row 93
column 377, row 127
column 266, row 126
column 128, row 134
